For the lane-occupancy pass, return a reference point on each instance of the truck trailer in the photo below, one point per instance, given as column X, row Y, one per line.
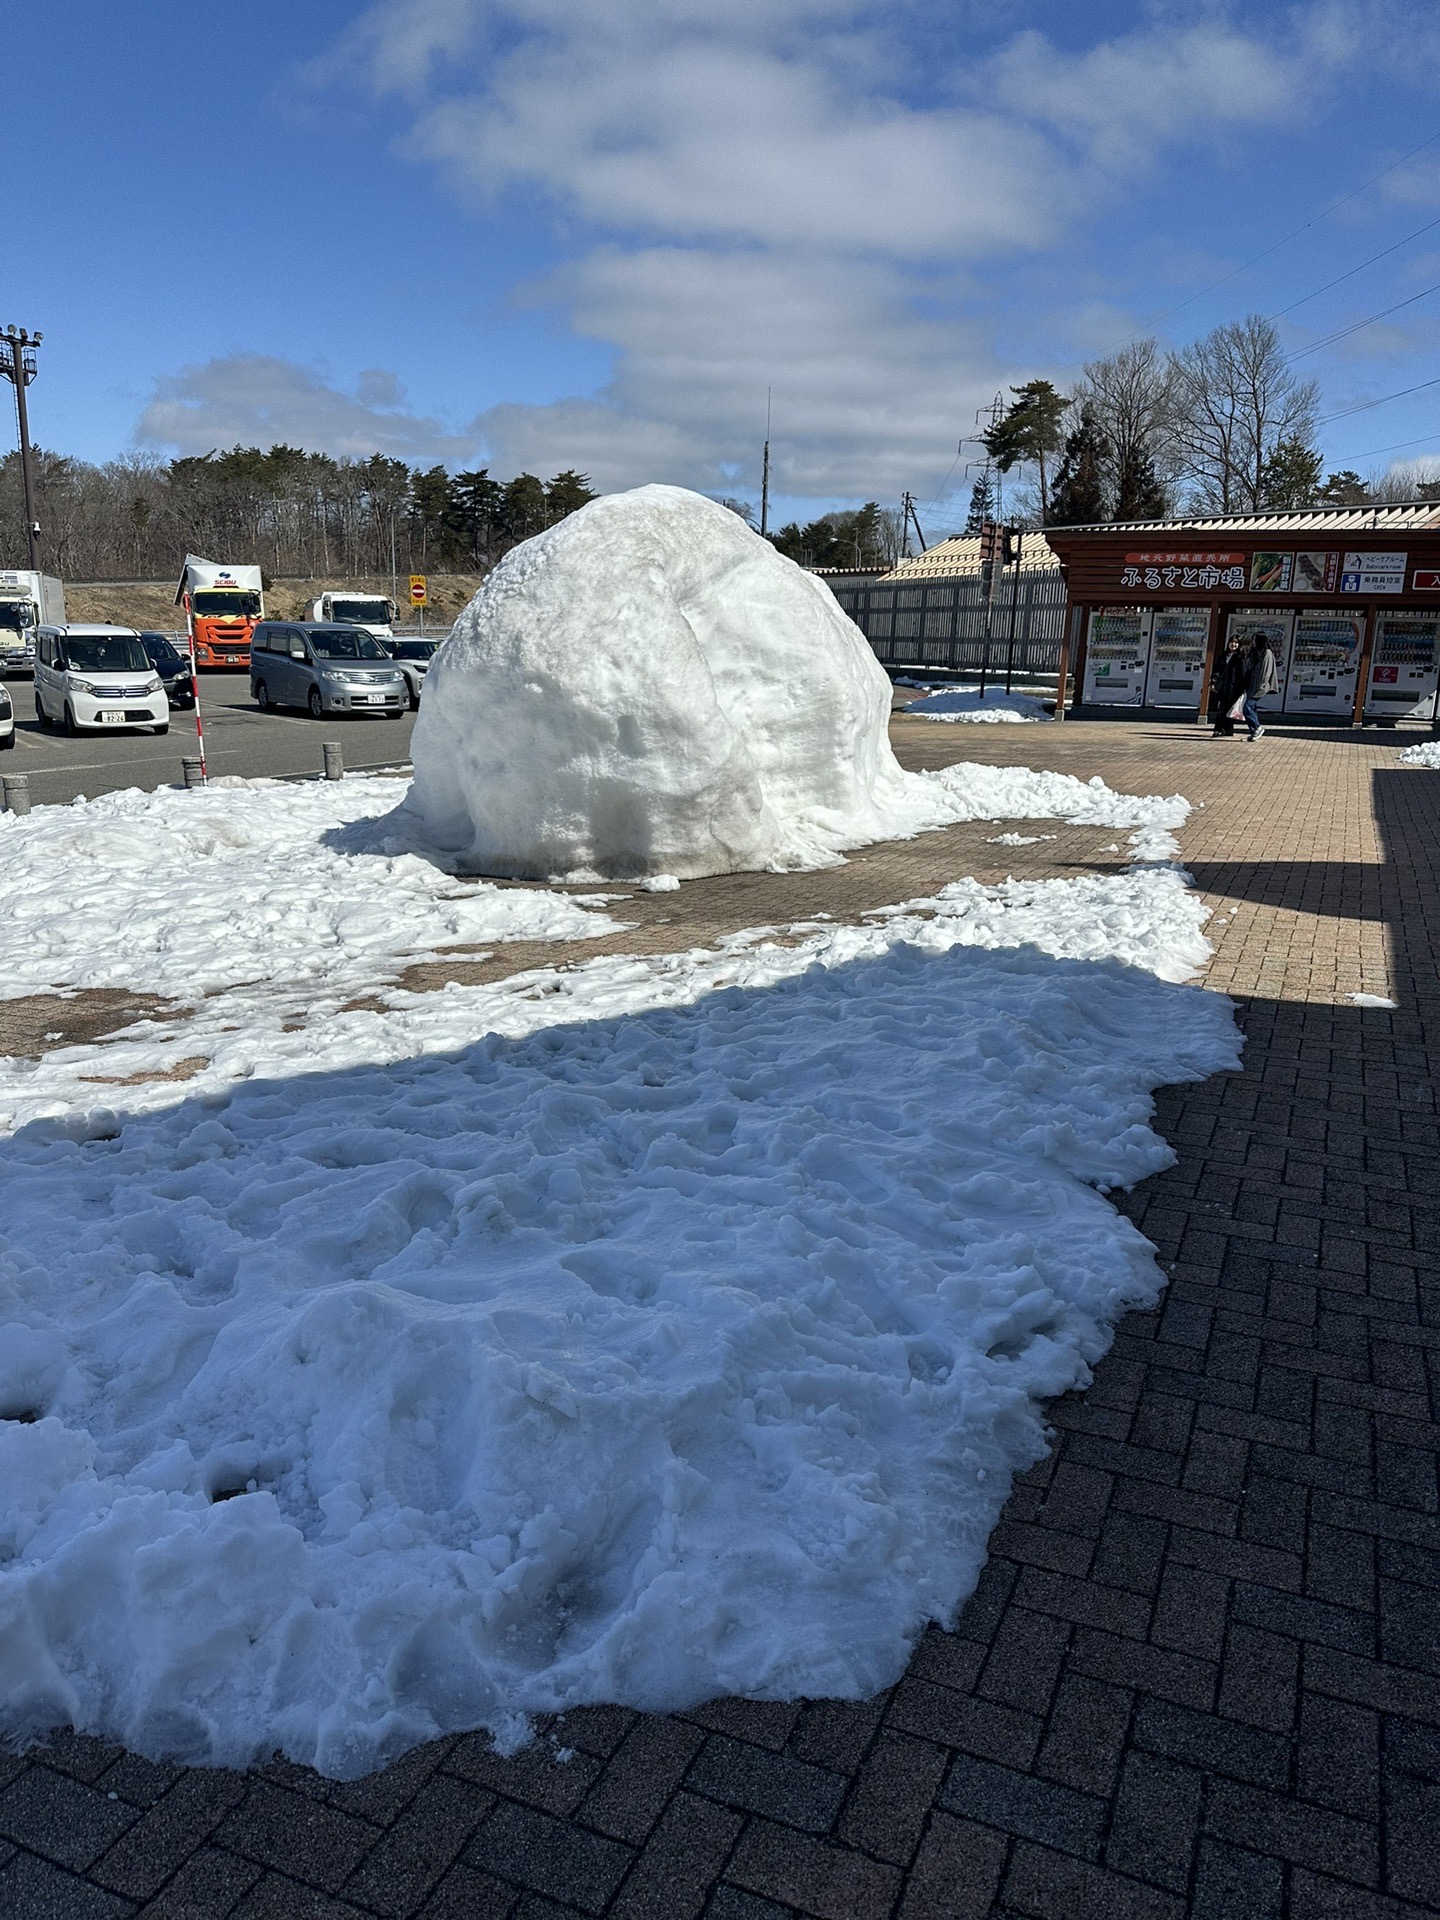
column 372, row 611
column 27, row 601
column 223, row 606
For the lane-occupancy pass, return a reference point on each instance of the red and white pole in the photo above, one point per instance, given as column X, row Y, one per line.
column 195, row 687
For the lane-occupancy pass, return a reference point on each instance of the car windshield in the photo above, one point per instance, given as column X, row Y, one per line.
column 163, row 656
column 362, row 613
column 232, row 606
column 413, row 649
column 336, row 644
column 105, row 653
column 15, row 615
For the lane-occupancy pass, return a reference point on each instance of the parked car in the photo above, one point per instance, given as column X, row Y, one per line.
column 96, row 677
column 7, row 720
column 172, row 666
column 327, row 669
column 413, row 658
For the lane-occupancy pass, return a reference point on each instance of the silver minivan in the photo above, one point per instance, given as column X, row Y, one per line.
column 327, row 669
column 97, row 676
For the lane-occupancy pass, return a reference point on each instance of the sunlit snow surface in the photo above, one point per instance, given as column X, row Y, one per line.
column 1425, row 753
column 659, row 1329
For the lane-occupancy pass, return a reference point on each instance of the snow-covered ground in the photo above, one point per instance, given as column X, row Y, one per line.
column 1425, row 753
column 660, row 1328
column 993, row 705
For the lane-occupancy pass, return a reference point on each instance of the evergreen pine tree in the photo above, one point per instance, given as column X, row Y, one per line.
column 982, row 504
column 1077, row 498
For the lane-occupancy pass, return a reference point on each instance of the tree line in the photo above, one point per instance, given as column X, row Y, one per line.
column 291, row 513
column 1223, row 426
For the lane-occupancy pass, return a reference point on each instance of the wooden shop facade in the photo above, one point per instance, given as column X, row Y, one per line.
column 1347, row 597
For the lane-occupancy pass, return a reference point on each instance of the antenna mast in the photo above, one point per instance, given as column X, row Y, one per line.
column 765, row 473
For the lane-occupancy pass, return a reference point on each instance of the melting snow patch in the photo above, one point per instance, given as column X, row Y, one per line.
column 1372, row 1000
column 993, row 705
column 1425, row 753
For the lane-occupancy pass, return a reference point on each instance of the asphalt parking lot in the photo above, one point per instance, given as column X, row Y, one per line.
column 238, row 739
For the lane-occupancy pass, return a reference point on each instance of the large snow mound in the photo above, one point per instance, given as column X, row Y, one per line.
column 650, row 1358
column 649, row 687
column 994, row 705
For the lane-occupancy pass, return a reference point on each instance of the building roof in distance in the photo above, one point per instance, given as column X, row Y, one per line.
column 949, row 559
column 1402, row 516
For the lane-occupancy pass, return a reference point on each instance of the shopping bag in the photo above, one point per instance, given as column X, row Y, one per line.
column 1237, row 712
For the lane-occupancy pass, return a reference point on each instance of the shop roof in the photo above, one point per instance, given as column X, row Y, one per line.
column 1404, row 514
column 960, row 556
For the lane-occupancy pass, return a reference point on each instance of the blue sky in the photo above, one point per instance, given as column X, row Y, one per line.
column 541, row 235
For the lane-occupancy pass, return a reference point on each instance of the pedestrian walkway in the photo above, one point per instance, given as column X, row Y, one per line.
column 1201, row 1674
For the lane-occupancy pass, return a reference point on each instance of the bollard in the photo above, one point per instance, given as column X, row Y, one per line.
column 17, row 792
column 334, row 764
column 193, row 775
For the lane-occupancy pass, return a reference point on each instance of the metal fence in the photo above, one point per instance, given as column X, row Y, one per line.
column 945, row 623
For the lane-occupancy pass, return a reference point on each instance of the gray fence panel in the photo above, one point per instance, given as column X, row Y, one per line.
column 943, row 623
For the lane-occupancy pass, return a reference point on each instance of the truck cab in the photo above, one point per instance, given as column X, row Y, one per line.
column 223, row 605
column 370, row 611
column 28, row 601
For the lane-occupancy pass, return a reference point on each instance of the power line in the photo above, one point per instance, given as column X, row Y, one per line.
column 1285, row 239
column 1396, row 445
column 1369, row 321
column 1383, row 254
column 1364, row 406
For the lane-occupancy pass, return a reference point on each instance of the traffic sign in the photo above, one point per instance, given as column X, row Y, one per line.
column 418, row 595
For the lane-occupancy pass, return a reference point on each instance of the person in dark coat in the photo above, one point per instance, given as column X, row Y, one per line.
column 1226, row 687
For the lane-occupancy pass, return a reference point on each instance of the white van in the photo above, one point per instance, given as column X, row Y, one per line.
column 97, row 677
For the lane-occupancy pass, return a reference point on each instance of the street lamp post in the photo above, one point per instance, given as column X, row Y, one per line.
column 17, row 364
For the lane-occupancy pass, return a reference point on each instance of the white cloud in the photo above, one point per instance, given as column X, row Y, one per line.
column 810, row 194
column 251, row 399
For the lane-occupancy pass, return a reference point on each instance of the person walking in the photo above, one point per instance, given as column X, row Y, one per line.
column 1227, row 686
column 1261, row 678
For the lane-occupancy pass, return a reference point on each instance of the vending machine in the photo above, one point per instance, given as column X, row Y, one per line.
column 1177, row 656
column 1117, row 656
column 1275, row 627
column 1324, row 659
column 1403, row 667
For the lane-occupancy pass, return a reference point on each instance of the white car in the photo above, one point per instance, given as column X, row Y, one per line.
column 7, row 719
column 413, row 658
column 97, row 677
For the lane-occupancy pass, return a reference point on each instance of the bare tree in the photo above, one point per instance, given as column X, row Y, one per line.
column 1234, row 400
column 1132, row 398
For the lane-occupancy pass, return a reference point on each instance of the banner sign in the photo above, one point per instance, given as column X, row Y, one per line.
column 1373, row 573
column 1427, row 580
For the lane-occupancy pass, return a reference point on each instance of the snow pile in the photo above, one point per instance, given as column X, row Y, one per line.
column 647, row 688
column 179, row 893
column 993, row 705
column 646, row 1358
column 971, row 792
column 1425, row 753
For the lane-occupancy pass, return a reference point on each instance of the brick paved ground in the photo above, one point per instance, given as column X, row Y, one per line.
column 1201, row 1673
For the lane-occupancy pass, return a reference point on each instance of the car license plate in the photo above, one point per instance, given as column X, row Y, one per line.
column 111, row 717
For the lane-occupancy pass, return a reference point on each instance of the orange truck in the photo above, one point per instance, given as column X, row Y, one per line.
column 223, row 606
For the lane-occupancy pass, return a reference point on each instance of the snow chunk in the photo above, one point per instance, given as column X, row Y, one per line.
column 651, row 688
column 1425, row 753
column 993, row 705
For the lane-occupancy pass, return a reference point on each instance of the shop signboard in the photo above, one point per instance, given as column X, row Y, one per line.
column 1373, row 573
column 1316, row 572
column 1165, row 569
column 1270, row 572
column 1427, row 580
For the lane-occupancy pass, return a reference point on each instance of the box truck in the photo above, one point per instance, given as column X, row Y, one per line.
column 27, row 601
column 353, row 609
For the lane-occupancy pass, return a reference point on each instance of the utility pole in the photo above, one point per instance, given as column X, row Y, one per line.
column 765, row 474
column 17, row 363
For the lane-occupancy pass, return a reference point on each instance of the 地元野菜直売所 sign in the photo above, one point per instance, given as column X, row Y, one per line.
column 1373, row 573
column 1155, row 572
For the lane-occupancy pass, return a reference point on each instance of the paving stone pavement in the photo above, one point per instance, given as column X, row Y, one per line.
column 1201, row 1672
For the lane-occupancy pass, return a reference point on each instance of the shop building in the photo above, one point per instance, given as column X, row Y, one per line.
column 1347, row 597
